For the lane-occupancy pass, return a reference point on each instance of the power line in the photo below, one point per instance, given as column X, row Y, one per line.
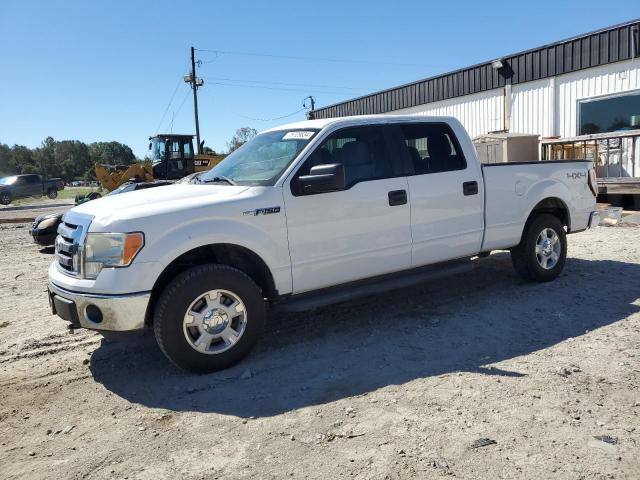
column 303, row 58
column 175, row 114
column 182, row 103
column 282, row 83
column 272, row 119
column 175, row 90
column 264, row 87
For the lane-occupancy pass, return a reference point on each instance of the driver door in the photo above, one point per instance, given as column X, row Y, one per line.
column 356, row 233
column 21, row 187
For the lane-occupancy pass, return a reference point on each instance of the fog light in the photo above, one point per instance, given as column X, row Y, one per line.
column 93, row 314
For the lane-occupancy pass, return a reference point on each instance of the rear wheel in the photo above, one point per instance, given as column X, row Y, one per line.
column 5, row 198
column 541, row 254
column 209, row 317
column 52, row 193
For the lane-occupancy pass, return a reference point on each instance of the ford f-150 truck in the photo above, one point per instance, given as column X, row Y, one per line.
column 308, row 212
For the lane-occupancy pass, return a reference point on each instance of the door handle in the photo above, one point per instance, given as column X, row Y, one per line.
column 470, row 188
column 397, row 197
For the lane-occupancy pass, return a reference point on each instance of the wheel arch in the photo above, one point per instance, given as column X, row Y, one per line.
column 236, row 256
column 550, row 205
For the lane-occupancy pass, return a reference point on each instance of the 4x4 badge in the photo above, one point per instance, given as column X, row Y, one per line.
column 576, row 175
column 262, row 211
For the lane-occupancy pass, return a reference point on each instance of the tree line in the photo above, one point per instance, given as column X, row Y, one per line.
column 74, row 160
column 66, row 159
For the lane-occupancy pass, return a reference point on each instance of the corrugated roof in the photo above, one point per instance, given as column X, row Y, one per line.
column 600, row 47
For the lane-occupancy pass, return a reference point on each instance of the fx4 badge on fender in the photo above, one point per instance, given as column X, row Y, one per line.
column 262, row 211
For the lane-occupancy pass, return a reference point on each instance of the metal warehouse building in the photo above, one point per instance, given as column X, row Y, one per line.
column 580, row 95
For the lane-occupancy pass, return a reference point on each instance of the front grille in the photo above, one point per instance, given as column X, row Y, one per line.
column 67, row 247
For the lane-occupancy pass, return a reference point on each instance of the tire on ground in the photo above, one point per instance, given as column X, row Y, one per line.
column 5, row 198
column 524, row 257
column 173, row 303
column 52, row 193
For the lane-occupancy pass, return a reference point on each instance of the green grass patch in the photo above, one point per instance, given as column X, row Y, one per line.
column 69, row 193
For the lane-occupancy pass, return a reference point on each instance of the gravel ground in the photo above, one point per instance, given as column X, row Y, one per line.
column 26, row 212
column 396, row 386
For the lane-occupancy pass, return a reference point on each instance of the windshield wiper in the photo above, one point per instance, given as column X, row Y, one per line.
column 219, row 179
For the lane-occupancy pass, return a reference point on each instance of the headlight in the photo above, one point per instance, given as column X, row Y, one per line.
column 110, row 250
column 49, row 222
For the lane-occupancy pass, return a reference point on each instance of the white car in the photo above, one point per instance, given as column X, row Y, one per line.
column 303, row 215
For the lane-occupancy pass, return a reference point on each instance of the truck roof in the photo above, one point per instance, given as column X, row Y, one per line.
column 324, row 122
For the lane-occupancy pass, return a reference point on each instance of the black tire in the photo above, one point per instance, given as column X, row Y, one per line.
column 93, row 195
column 5, row 198
column 526, row 262
column 52, row 193
column 187, row 287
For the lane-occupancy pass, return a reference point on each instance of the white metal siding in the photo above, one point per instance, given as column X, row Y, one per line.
column 479, row 113
column 532, row 108
column 543, row 107
column 594, row 82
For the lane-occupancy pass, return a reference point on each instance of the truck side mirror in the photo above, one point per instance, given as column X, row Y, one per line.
column 321, row 179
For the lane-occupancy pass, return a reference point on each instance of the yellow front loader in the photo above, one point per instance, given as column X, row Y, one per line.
column 170, row 157
column 111, row 177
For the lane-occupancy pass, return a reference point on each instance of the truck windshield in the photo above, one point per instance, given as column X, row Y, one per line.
column 7, row 180
column 261, row 160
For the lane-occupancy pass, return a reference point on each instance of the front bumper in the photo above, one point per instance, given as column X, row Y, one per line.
column 44, row 236
column 118, row 313
column 594, row 220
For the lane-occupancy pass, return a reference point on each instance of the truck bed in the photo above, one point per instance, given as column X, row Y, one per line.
column 511, row 190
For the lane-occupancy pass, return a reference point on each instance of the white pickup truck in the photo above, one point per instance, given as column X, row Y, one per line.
column 307, row 213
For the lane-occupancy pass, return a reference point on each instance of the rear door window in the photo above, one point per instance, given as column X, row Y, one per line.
column 431, row 148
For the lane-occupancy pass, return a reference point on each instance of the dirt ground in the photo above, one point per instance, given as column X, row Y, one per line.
column 27, row 211
column 396, row 386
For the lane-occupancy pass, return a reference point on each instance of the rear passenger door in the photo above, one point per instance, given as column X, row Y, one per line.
column 360, row 232
column 33, row 186
column 445, row 192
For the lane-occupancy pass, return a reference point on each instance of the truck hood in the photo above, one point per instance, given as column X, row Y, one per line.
column 156, row 201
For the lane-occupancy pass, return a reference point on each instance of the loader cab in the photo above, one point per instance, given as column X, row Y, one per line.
column 171, row 156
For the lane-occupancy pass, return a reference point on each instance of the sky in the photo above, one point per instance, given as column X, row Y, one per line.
column 112, row 70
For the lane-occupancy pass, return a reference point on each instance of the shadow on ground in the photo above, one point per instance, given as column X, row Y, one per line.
column 463, row 323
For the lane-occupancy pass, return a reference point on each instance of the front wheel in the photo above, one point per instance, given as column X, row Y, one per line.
column 5, row 198
column 209, row 317
column 542, row 253
column 52, row 193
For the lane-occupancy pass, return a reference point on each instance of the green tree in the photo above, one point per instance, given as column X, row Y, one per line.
column 242, row 136
column 7, row 167
column 111, row 153
column 43, row 159
column 22, row 159
column 71, row 159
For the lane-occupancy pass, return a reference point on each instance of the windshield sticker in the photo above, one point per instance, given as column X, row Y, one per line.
column 298, row 135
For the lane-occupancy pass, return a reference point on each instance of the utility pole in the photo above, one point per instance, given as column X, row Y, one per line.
column 313, row 105
column 195, row 83
column 313, row 102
